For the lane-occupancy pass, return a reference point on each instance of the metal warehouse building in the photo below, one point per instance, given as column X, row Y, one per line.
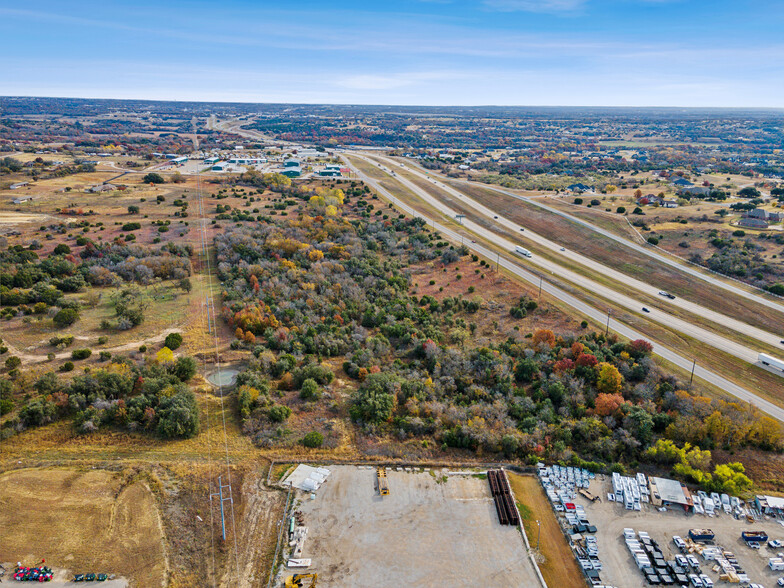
column 667, row 492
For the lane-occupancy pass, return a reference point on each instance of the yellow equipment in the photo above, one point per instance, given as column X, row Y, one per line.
column 298, row 581
column 383, row 487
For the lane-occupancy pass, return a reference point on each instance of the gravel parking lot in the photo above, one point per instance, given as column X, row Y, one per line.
column 619, row 567
column 427, row 532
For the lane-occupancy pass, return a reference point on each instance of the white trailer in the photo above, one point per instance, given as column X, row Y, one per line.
column 523, row 251
column 772, row 362
column 776, row 564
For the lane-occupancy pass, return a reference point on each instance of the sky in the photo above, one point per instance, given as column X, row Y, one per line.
column 411, row 52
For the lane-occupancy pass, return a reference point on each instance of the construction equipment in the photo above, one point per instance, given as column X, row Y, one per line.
column 298, row 581
column 381, row 476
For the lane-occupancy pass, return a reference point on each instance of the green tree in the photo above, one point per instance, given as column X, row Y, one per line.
column 185, row 368
column 173, row 341
column 376, row 398
column 178, row 416
column 153, row 178
column 66, row 317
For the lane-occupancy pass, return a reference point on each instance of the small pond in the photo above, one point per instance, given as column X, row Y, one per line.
column 223, row 376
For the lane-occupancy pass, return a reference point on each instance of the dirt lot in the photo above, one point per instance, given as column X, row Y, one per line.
column 619, row 567
column 427, row 532
column 82, row 521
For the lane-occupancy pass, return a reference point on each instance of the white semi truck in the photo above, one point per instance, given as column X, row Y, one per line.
column 523, row 251
column 769, row 361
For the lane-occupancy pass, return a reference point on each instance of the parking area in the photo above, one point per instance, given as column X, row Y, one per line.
column 434, row 528
column 619, row 566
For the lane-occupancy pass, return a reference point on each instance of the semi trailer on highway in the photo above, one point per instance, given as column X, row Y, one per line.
column 523, row 251
column 771, row 362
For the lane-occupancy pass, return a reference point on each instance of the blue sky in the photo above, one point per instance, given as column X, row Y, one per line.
column 429, row 52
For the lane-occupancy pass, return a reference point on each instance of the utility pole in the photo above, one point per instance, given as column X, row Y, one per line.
column 497, row 262
column 538, row 533
column 221, row 486
column 607, row 331
column 693, row 365
column 540, row 288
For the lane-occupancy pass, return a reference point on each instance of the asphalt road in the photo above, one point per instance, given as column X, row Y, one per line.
column 657, row 255
column 513, row 266
column 547, row 266
column 629, row 283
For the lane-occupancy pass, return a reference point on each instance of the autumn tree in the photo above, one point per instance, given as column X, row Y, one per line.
column 543, row 336
column 608, row 404
column 610, row 379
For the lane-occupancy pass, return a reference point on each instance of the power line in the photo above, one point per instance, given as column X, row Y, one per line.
column 204, row 324
column 211, row 310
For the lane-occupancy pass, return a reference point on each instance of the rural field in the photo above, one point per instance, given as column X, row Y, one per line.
column 195, row 298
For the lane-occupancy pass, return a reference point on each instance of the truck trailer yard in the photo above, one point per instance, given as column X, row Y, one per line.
column 433, row 528
column 619, row 566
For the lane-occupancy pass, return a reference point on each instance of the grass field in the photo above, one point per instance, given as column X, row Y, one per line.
column 84, row 521
column 557, row 563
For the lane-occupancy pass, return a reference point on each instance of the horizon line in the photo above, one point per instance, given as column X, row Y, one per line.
column 609, row 106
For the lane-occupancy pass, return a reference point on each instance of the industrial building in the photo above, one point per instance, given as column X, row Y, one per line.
column 770, row 505
column 292, row 172
column 291, row 163
column 665, row 492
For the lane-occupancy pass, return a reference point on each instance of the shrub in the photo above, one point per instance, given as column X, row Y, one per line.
column 66, row 317
column 143, row 349
column 62, row 249
column 68, row 366
column 131, row 226
column 278, row 413
column 105, row 355
column 313, row 439
column 78, row 354
column 6, row 406
column 12, row 362
column 173, row 341
column 310, row 390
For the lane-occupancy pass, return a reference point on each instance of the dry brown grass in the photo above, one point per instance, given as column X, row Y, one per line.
column 557, row 563
column 83, row 521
